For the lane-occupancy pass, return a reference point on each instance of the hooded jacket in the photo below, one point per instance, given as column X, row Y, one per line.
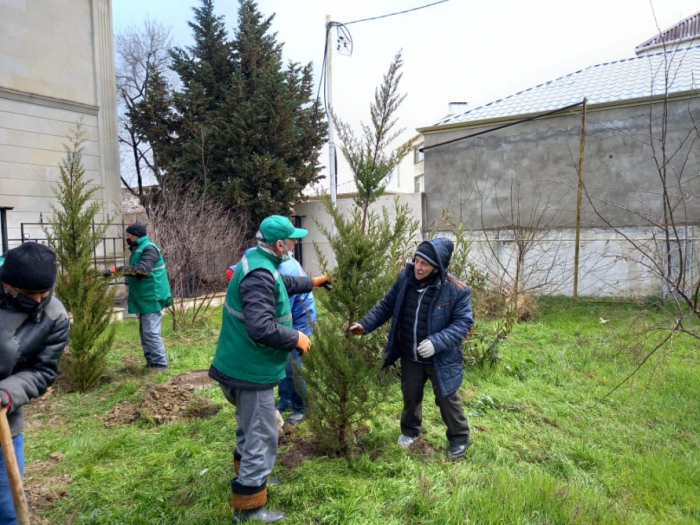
column 450, row 319
column 30, row 349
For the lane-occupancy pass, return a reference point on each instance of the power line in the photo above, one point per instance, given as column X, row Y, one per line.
column 394, row 14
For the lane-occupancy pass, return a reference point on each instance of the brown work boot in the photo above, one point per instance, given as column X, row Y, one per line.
column 260, row 514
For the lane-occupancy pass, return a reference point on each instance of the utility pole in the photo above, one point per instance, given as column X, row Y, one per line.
column 578, row 197
column 329, row 116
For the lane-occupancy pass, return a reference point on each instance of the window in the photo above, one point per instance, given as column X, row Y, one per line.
column 419, row 184
column 418, row 154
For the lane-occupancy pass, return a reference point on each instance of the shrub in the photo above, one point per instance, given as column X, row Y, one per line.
column 74, row 236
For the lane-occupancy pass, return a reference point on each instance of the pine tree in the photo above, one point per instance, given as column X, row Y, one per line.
column 275, row 131
column 342, row 372
column 243, row 126
column 74, row 236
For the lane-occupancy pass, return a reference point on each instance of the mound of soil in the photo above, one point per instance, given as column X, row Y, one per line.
column 162, row 403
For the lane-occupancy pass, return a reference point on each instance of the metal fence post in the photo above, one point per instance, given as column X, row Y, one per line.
column 3, row 226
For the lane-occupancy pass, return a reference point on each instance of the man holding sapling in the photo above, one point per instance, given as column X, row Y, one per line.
column 431, row 313
column 149, row 292
column 257, row 336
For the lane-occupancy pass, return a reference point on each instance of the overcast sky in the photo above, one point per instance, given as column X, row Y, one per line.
column 474, row 51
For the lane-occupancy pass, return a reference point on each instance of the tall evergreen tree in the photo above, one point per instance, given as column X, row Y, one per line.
column 342, row 372
column 275, row 129
column 245, row 127
column 191, row 138
column 74, row 236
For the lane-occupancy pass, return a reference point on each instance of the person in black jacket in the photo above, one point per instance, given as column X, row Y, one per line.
column 431, row 313
column 34, row 330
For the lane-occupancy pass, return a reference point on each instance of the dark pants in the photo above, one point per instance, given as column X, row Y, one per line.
column 292, row 388
column 413, row 378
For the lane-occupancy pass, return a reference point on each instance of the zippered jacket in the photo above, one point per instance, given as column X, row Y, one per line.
column 450, row 319
column 30, row 349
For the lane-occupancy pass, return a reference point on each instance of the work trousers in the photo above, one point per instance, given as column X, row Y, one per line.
column 7, row 506
column 414, row 375
column 151, row 340
column 256, row 433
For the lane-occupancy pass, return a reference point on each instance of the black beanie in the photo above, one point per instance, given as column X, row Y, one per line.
column 31, row 266
column 426, row 251
column 138, row 229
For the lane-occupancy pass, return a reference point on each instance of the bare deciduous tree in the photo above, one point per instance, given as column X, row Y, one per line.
column 200, row 238
column 140, row 51
column 664, row 206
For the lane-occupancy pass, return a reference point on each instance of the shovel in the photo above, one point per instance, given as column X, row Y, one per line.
column 12, row 468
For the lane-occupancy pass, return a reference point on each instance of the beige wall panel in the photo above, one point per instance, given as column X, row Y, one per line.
column 9, row 170
column 56, row 128
column 48, row 40
column 40, row 141
column 42, row 110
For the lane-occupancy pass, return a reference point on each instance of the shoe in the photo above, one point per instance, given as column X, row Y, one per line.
column 295, row 418
column 405, row 441
column 156, row 368
column 273, row 481
column 260, row 514
column 457, row 451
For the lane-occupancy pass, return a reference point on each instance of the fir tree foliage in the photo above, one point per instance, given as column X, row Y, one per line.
column 370, row 248
column 74, row 235
column 243, row 125
column 367, row 153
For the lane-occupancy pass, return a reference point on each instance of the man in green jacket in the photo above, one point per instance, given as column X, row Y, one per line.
column 149, row 292
column 251, row 357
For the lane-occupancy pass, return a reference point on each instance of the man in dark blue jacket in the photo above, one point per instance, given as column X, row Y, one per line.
column 431, row 313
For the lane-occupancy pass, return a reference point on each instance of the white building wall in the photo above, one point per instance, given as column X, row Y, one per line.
column 56, row 70
column 314, row 213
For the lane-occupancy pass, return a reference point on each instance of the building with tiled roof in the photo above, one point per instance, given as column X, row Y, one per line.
column 513, row 163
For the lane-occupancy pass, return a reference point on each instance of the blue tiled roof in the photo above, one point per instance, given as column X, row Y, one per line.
column 628, row 79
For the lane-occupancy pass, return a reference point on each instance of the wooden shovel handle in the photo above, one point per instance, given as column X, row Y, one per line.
column 12, row 468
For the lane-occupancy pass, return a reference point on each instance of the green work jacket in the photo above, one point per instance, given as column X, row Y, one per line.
column 151, row 293
column 237, row 355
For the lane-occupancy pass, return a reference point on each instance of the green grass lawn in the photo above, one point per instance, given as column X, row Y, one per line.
column 547, row 446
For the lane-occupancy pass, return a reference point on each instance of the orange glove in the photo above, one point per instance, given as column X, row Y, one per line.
column 303, row 343
column 322, row 280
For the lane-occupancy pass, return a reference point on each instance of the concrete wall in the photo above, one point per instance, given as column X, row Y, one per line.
column 609, row 263
column 313, row 212
column 409, row 168
column 539, row 160
column 56, row 69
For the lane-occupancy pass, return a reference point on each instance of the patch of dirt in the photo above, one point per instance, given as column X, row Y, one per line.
column 64, row 385
column 422, row 449
column 162, row 403
column 43, row 492
column 133, row 365
column 41, row 411
column 198, row 379
column 303, row 447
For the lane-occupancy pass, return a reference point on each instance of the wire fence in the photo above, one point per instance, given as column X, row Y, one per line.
column 203, row 272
